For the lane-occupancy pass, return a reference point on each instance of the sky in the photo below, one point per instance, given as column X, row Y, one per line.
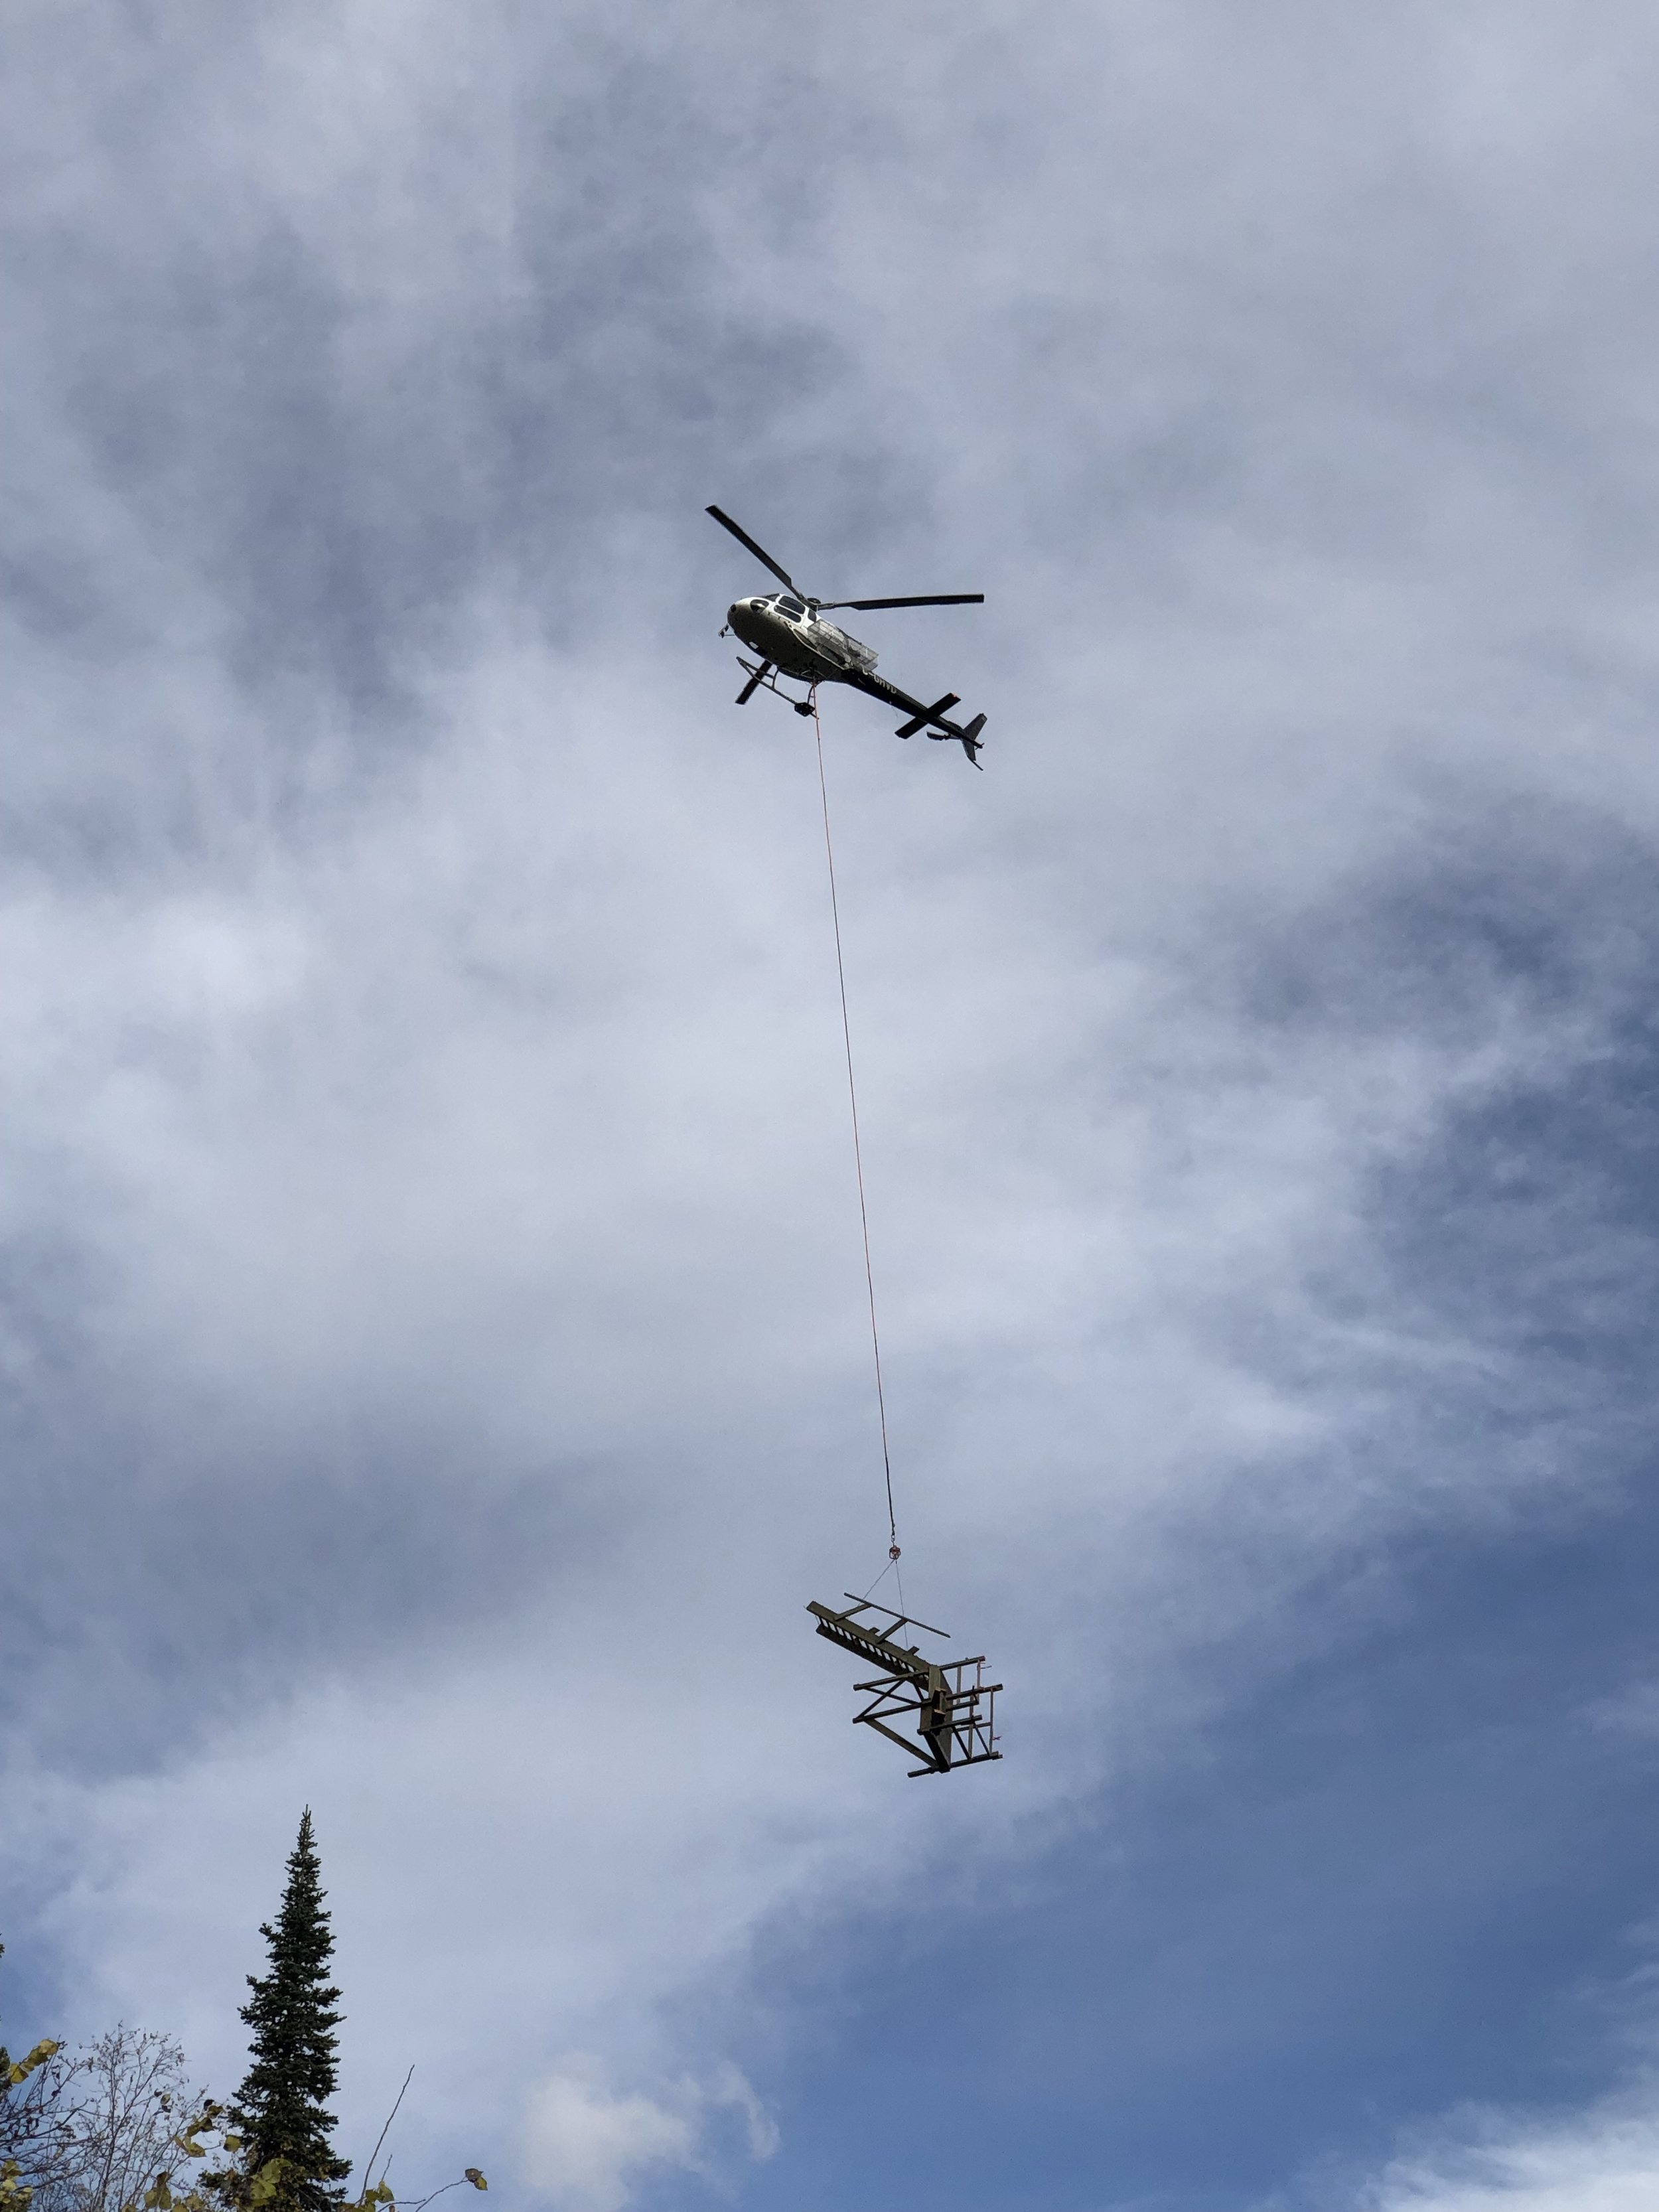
column 437, row 1366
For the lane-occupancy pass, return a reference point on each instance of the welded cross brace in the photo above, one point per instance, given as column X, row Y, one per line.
column 956, row 1717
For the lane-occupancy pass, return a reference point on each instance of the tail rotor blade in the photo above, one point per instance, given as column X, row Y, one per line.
column 759, row 551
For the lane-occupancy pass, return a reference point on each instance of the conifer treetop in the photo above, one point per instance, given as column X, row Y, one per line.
column 281, row 2109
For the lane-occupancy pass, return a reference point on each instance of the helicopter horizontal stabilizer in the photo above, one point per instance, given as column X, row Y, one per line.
column 920, row 721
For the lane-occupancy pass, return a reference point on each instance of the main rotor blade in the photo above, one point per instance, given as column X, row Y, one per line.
column 759, row 551
column 928, row 599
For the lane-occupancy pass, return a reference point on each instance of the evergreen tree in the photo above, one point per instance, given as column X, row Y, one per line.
column 281, row 2109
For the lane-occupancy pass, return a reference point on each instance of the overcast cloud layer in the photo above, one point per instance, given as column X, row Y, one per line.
column 435, row 1341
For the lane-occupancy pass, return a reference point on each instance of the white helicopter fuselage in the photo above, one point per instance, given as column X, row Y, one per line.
column 787, row 629
column 797, row 639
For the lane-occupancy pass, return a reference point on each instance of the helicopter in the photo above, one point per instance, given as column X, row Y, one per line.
column 787, row 630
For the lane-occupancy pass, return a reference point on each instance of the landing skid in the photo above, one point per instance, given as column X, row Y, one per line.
column 764, row 677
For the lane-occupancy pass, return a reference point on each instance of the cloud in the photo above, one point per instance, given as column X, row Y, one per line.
column 433, row 1295
column 586, row 2148
column 1633, row 1712
column 1606, row 2161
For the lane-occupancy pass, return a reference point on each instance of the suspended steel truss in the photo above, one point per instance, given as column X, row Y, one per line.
column 955, row 1709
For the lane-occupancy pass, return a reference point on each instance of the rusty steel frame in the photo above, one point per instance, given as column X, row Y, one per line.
column 957, row 1721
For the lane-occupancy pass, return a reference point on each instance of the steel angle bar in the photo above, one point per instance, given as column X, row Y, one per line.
column 899, row 1620
column 905, row 1744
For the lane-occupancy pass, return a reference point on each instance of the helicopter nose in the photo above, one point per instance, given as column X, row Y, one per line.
column 750, row 621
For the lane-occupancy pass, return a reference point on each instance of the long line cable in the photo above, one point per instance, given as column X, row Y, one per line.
column 858, row 1149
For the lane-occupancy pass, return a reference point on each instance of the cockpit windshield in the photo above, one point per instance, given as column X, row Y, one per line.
column 787, row 605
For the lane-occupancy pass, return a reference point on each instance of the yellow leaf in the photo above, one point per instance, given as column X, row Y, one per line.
column 475, row 2177
column 21, row 2071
